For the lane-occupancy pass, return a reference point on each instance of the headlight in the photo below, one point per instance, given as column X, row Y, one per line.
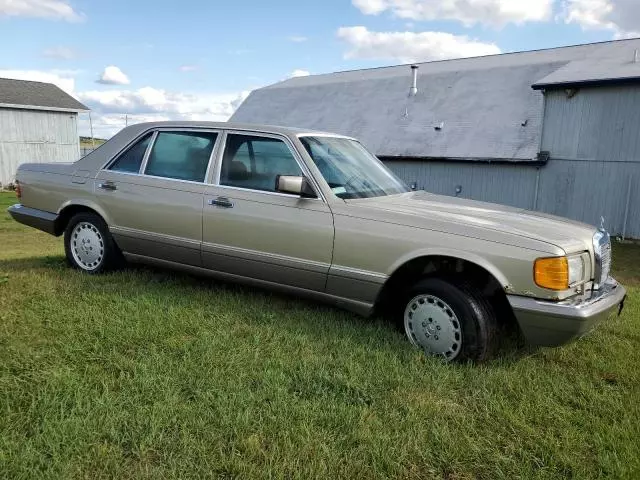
column 558, row 273
column 576, row 270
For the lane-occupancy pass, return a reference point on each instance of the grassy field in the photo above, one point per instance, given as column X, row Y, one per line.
column 88, row 142
column 151, row 374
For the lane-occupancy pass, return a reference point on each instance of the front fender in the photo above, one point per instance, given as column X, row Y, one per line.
column 462, row 255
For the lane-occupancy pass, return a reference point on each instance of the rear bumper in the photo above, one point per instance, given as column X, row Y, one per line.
column 31, row 217
column 551, row 324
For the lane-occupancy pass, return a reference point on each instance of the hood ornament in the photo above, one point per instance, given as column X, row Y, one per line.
column 602, row 225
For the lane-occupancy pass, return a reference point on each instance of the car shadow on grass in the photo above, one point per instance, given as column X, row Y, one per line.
column 510, row 347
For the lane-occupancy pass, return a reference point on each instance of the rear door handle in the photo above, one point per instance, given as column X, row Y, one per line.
column 222, row 202
column 107, row 186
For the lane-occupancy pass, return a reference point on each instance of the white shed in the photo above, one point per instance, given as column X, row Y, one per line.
column 38, row 123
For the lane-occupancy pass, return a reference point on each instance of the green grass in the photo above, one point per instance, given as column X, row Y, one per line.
column 88, row 142
column 152, row 374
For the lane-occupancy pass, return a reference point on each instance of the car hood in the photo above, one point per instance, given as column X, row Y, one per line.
column 481, row 219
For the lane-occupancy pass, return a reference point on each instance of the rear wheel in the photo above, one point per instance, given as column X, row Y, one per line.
column 449, row 319
column 89, row 246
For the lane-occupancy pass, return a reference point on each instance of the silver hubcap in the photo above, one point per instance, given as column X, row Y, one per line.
column 87, row 246
column 432, row 326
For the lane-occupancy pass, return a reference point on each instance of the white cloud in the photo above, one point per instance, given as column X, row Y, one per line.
column 469, row 12
column 299, row 73
column 147, row 104
column 188, row 68
column 112, row 75
column 297, row 39
column 153, row 104
column 61, row 53
column 411, row 47
column 622, row 17
column 54, row 9
column 63, row 79
column 149, row 100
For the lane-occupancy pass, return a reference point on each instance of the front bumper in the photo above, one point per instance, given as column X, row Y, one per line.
column 551, row 324
column 31, row 217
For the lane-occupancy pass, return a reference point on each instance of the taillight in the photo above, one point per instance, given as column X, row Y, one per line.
column 18, row 190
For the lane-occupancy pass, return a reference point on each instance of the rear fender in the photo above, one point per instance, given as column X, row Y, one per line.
column 84, row 202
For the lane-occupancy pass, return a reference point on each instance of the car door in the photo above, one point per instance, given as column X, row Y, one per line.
column 251, row 230
column 153, row 194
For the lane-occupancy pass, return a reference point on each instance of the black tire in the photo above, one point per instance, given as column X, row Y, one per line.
column 476, row 319
column 110, row 257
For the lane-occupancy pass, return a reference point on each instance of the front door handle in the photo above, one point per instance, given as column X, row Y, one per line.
column 107, row 186
column 222, row 202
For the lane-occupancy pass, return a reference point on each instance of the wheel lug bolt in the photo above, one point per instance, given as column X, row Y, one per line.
column 436, row 337
column 424, row 324
column 438, row 327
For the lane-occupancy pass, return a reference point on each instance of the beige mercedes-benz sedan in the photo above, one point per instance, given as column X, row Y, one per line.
column 315, row 214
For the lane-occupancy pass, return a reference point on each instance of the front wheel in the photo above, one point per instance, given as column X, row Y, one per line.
column 88, row 244
column 449, row 319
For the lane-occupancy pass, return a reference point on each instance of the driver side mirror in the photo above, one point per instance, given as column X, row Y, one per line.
column 295, row 185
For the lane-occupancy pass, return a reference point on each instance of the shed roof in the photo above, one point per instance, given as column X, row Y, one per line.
column 594, row 72
column 36, row 96
column 480, row 108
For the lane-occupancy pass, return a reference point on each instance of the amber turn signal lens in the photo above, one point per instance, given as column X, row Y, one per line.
column 18, row 190
column 552, row 273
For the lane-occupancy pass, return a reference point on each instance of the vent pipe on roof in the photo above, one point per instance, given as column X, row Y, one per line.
column 414, row 81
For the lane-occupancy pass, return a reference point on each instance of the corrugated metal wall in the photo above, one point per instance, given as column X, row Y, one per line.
column 594, row 141
column 36, row 136
column 507, row 184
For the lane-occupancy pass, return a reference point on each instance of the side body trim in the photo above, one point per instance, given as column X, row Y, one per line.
column 156, row 237
column 175, row 249
column 357, row 274
column 264, row 257
column 358, row 307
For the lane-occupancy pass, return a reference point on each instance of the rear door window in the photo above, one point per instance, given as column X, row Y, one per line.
column 181, row 155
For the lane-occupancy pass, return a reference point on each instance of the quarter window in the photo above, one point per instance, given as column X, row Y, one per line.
column 255, row 162
column 181, row 155
column 131, row 160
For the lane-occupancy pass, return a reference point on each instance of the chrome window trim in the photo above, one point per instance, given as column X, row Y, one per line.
column 219, row 156
column 147, row 154
column 294, row 152
column 159, row 130
column 253, row 190
column 193, row 182
column 326, row 135
column 153, row 177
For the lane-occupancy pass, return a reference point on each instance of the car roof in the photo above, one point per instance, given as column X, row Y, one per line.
column 277, row 129
column 107, row 151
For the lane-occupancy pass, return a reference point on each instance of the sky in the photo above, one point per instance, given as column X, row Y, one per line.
column 139, row 60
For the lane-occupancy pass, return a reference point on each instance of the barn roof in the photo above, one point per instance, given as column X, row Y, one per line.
column 481, row 108
column 36, row 96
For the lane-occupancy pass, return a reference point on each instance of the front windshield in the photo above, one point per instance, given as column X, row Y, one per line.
column 350, row 170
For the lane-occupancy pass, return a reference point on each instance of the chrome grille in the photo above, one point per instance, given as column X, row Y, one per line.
column 602, row 253
column 605, row 260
